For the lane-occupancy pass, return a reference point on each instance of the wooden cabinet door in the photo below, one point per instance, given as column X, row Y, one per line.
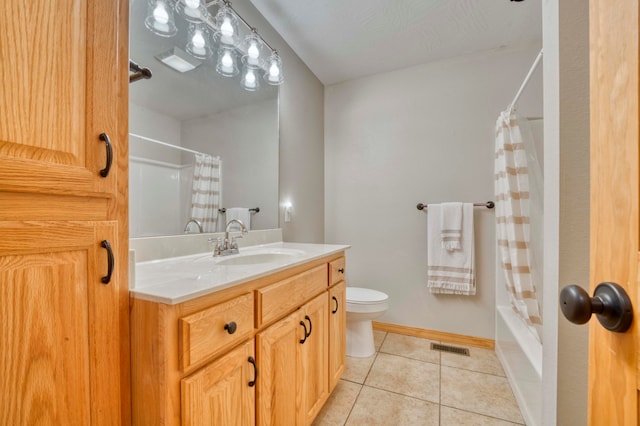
column 315, row 354
column 279, row 366
column 59, row 324
column 337, row 333
column 223, row 392
column 59, row 75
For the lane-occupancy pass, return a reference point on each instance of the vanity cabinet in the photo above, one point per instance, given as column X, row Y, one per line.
column 188, row 368
column 64, row 330
column 293, row 362
column 223, row 392
column 337, row 332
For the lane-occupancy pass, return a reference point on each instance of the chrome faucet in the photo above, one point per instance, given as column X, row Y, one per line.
column 192, row 220
column 226, row 246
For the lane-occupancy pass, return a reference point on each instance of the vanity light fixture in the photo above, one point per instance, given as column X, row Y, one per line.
column 178, row 59
column 160, row 18
column 273, row 74
column 226, row 65
column 227, row 24
column 199, row 44
column 250, row 77
column 192, row 10
column 224, row 27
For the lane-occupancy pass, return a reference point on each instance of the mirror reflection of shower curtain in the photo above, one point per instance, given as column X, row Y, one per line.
column 205, row 193
column 517, row 177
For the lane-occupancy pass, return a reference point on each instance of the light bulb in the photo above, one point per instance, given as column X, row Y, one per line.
column 193, row 4
column 227, row 60
column 198, row 40
column 160, row 13
column 226, row 28
column 253, row 51
column 274, row 70
column 250, row 78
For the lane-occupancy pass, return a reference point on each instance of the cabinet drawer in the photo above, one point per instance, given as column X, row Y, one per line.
column 276, row 300
column 336, row 271
column 215, row 329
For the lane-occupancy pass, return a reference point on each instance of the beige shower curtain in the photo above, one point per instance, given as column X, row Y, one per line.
column 512, row 193
column 205, row 194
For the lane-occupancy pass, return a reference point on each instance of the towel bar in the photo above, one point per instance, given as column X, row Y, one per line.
column 256, row 210
column 488, row 204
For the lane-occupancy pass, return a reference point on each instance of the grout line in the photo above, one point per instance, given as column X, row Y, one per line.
column 484, row 415
column 355, row 401
column 401, row 394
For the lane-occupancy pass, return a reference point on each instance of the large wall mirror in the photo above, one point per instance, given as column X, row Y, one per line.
column 177, row 116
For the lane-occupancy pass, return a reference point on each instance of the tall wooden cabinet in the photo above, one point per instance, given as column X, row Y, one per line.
column 63, row 212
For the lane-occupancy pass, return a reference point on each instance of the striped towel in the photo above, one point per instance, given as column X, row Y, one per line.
column 451, row 225
column 450, row 272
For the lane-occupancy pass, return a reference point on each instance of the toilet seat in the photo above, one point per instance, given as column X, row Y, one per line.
column 365, row 295
column 364, row 300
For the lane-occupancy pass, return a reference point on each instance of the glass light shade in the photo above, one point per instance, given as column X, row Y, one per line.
column 250, row 77
column 199, row 44
column 227, row 64
column 192, row 10
column 227, row 24
column 273, row 74
column 252, row 46
column 160, row 18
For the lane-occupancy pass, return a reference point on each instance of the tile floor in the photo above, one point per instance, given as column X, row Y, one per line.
column 407, row 383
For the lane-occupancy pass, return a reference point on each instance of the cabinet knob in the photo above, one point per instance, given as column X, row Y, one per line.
column 231, row 327
column 341, row 270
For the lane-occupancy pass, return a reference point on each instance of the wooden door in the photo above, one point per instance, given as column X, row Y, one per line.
column 223, row 392
column 59, row 76
column 279, row 366
column 614, row 247
column 314, row 355
column 337, row 333
column 59, row 324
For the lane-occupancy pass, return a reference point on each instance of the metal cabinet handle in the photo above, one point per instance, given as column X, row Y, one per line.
column 335, row 300
column 105, row 138
column 231, row 327
column 341, row 270
column 252, row 361
column 308, row 319
column 302, row 323
column 110, row 261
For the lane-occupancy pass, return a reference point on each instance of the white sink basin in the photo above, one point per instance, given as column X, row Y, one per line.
column 258, row 256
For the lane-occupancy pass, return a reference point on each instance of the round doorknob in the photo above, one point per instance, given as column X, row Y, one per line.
column 610, row 303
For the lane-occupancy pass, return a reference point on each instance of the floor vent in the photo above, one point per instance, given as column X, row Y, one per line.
column 450, row 349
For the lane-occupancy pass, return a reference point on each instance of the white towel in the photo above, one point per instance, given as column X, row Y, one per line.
column 451, row 225
column 242, row 214
column 450, row 272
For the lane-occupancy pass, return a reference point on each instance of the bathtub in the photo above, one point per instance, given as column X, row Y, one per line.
column 520, row 354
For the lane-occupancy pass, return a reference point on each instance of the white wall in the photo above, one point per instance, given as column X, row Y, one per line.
column 246, row 139
column 421, row 134
column 301, row 174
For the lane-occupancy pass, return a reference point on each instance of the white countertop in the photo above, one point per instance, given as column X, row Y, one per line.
column 178, row 279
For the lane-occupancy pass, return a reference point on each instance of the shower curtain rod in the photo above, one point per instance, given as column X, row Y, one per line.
column 526, row 80
column 169, row 145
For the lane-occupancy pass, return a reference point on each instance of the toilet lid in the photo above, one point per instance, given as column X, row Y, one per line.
column 365, row 295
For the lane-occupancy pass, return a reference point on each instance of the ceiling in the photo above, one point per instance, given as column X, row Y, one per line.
column 345, row 39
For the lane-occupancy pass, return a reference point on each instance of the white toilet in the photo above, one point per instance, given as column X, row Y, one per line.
column 363, row 305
